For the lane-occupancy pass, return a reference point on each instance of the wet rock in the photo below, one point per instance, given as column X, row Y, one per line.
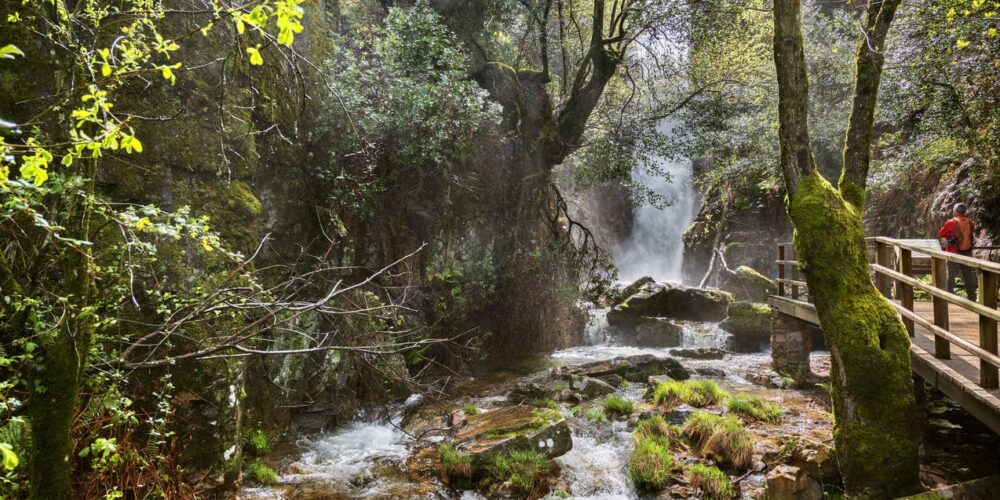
column 678, row 414
column 786, row 482
column 589, row 387
column 631, row 289
column 711, row 372
column 527, row 392
column 631, row 368
column 816, row 459
column 745, row 283
column 670, row 301
column 750, row 324
column 513, row 428
column 769, row 378
column 658, row 332
column 700, row 353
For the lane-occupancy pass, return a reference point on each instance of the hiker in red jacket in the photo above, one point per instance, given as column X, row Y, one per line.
column 958, row 236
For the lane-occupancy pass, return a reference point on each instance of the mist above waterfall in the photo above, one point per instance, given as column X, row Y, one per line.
column 655, row 247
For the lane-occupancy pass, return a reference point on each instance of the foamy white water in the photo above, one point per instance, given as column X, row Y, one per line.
column 350, row 452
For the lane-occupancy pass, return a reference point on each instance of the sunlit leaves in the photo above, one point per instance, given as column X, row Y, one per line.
column 10, row 459
column 10, row 52
column 254, row 54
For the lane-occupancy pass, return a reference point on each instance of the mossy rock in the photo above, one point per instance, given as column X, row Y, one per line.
column 515, row 428
column 750, row 321
column 631, row 289
column 631, row 368
column 747, row 284
column 670, row 301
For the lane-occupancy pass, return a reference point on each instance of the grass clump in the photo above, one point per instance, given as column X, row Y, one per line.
column 256, row 443
column 617, row 405
column 755, row 408
column 455, row 465
column 545, row 403
column 697, row 393
column 705, row 393
column 655, row 427
column 712, row 482
column 721, row 438
column 596, row 415
column 526, row 470
column 259, row 472
column 470, row 409
column 650, row 464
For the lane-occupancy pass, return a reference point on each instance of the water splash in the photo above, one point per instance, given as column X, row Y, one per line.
column 655, row 247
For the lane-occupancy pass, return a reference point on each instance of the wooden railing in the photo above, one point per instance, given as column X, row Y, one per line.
column 894, row 265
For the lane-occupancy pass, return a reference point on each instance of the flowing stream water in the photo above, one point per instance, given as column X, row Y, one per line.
column 368, row 459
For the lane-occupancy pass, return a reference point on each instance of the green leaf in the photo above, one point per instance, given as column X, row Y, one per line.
column 255, row 57
column 10, row 51
column 10, row 459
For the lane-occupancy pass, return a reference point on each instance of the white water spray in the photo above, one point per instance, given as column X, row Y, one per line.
column 655, row 248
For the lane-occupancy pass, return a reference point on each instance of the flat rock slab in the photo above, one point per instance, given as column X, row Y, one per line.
column 631, row 368
column 513, row 428
column 670, row 301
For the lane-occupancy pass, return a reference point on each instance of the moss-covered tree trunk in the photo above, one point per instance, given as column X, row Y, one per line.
column 875, row 428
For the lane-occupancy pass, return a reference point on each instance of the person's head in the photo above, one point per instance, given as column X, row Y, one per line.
column 960, row 209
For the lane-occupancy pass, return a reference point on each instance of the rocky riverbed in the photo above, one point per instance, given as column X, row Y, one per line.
column 559, row 406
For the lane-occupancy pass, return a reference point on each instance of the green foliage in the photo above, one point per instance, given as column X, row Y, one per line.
column 525, row 470
column 712, row 482
column 256, row 443
column 698, row 393
column 755, row 408
column 721, row 438
column 596, row 415
column 259, row 472
column 617, row 405
column 470, row 409
column 650, row 464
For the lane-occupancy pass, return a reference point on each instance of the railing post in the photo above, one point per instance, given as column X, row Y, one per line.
column 939, row 278
column 882, row 282
column 781, row 270
column 988, row 329
column 904, row 290
column 795, row 275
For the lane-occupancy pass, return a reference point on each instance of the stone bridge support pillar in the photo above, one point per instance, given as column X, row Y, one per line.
column 791, row 343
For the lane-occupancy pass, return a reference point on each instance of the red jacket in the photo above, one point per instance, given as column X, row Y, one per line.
column 951, row 226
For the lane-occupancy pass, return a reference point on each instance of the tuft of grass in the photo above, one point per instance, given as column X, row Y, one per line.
column 617, row 405
column 545, row 403
column 712, row 482
column 470, row 409
column 705, row 393
column 526, row 470
column 650, row 464
column 596, row 415
column 654, row 427
column 730, row 444
column 755, row 408
column 670, row 394
column 455, row 464
column 259, row 472
column 256, row 443
column 697, row 393
column 721, row 438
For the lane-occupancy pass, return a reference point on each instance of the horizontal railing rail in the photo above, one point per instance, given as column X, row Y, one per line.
column 894, row 275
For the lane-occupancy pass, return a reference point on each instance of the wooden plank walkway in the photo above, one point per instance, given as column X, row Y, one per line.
column 957, row 377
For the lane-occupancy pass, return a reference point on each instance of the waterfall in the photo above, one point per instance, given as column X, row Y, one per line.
column 655, row 247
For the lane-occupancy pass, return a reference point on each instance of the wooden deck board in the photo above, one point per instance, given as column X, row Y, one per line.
column 958, row 377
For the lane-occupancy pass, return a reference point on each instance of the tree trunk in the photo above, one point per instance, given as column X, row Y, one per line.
column 875, row 424
column 875, row 427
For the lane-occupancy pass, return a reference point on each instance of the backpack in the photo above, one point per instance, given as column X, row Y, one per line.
column 961, row 238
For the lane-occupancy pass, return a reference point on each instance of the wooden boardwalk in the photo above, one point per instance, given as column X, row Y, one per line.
column 954, row 340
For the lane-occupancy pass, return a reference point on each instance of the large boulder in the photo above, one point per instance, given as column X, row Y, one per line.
column 658, row 332
column 670, row 301
column 631, row 289
column 745, row 283
column 513, row 428
column 631, row 368
column 749, row 322
column 787, row 482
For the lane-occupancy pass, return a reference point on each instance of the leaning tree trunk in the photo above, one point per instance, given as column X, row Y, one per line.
column 875, row 429
column 875, row 425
